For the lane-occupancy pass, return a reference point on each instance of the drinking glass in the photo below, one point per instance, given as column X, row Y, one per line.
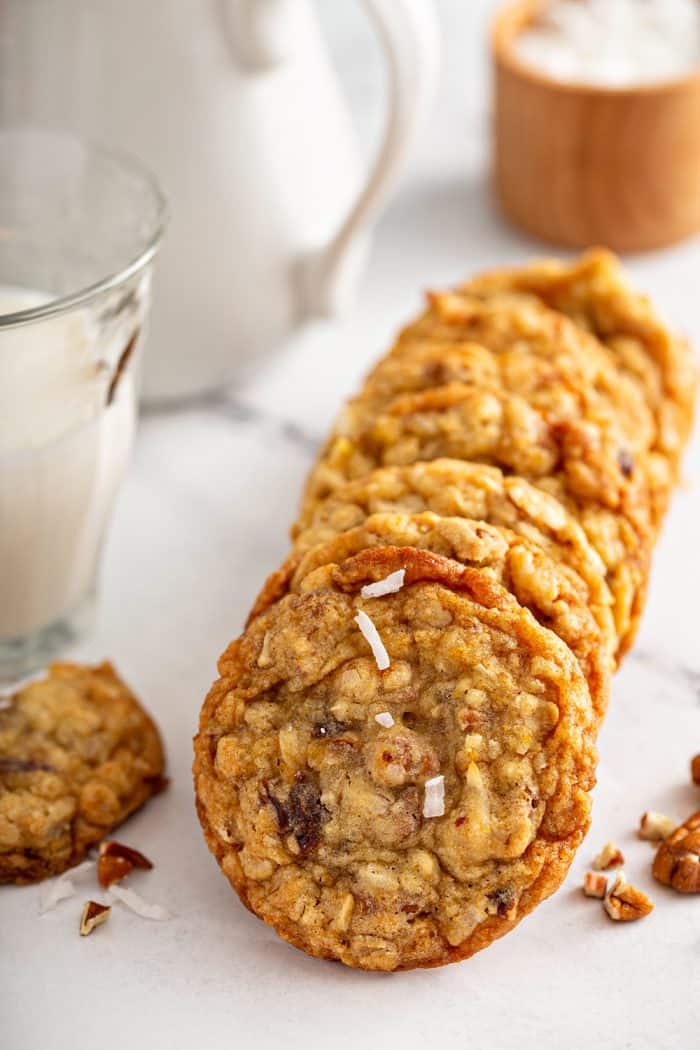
column 79, row 229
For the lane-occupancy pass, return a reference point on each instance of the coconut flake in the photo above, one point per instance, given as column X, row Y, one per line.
column 384, row 719
column 5, row 702
column 135, row 902
column 62, row 888
column 389, row 585
column 434, row 799
column 375, row 643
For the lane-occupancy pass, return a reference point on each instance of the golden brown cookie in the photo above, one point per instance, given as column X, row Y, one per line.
column 594, row 292
column 405, row 817
column 554, row 593
column 586, row 466
column 78, row 754
column 454, row 488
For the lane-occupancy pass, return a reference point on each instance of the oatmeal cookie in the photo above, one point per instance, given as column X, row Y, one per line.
column 534, row 352
column 78, row 754
column 453, row 488
column 418, row 839
column 555, row 594
column 587, row 467
column 594, row 292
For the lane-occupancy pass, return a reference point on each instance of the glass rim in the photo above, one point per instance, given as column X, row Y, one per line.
column 127, row 162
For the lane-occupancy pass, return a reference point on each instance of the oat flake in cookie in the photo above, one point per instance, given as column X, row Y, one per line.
column 315, row 810
column 78, row 754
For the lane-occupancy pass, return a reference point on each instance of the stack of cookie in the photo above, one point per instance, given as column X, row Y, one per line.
column 394, row 765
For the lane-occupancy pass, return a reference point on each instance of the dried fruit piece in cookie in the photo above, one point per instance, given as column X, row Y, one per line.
column 316, row 812
column 80, row 754
column 677, row 861
column 555, row 594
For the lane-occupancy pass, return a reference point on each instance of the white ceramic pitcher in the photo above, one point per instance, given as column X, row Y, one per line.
column 235, row 107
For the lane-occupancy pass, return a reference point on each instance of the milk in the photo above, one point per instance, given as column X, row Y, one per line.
column 614, row 43
column 63, row 452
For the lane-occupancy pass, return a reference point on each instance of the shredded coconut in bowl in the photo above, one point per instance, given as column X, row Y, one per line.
column 375, row 643
column 614, row 43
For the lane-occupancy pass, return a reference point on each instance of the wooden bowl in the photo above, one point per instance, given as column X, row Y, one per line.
column 577, row 164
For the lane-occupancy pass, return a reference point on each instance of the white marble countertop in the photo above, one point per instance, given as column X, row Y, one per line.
column 201, row 520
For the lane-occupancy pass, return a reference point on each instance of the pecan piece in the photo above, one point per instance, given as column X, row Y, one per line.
column 117, row 860
column 654, row 827
column 695, row 769
column 625, row 902
column 595, row 885
column 609, row 857
column 94, row 914
column 677, row 861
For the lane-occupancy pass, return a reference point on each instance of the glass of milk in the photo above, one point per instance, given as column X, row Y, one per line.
column 79, row 228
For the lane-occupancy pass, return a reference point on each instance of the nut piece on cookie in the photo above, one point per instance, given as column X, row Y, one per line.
column 609, row 857
column 677, row 861
column 655, row 827
column 625, row 902
column 94, row 915
column 695, row 769
column 595, row 884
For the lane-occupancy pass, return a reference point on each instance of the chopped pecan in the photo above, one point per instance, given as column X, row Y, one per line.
column 301, row 813
column 677, row 861
column 695, row 769
column 595, row 885
column 116, row 861
column 625, row 902
column 94, row 914
column 654, row 827
column 609, row 857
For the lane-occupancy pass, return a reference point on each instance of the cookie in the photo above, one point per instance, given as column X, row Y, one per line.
column 420, row 840
column 78, row 754
column 595, row 294
column 587, row 467
column 454, row 488
column 554, row 593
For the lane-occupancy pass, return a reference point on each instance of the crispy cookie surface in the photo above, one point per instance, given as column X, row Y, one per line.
column 315, row 811
column 554, row 593
column 78, row 754
column 586, row 466
column 453, row 488
column 595, row 294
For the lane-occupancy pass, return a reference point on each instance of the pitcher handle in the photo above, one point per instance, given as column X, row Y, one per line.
column 410, row 38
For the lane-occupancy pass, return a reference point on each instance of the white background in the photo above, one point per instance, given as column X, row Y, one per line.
column 201, row 520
